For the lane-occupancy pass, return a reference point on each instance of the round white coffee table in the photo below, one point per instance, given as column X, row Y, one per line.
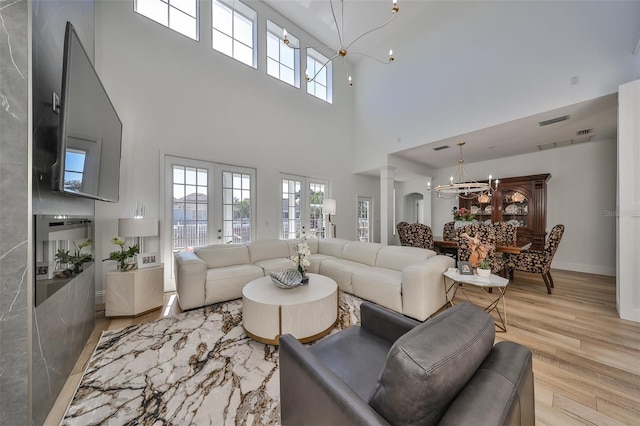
column 307, row 312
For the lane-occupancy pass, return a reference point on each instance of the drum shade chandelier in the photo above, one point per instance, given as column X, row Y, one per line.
column 344, row 45
column 461, row 186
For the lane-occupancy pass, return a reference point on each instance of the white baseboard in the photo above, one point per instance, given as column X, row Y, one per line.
column 586, row 268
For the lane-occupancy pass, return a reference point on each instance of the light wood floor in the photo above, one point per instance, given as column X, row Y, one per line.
column 586, row 360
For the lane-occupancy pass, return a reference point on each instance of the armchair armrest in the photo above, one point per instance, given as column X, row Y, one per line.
column 383, row 322
column 311, row 394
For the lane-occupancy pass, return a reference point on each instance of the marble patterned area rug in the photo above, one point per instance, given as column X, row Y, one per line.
column 196, row 368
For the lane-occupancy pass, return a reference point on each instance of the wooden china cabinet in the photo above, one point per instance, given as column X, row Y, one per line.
column 520, row 200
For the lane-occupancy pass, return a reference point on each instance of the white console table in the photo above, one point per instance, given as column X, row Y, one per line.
column 134, row 293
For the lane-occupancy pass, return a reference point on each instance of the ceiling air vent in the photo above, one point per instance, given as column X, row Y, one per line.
column 565, row 142
column 553, row 120
column 440, row 148
column 583, row 132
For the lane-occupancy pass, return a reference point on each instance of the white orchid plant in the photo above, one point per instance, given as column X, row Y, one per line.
column 302, row 254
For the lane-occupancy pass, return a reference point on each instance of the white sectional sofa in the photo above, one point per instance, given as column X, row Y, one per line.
column 407, row 280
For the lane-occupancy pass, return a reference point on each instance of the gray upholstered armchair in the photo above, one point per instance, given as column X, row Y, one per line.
column 394, row 370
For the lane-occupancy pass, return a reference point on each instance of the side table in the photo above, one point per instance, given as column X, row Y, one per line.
column 134, row 293
column 454, row 280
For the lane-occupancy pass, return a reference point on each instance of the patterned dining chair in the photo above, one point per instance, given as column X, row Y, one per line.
column 506, row 233
column 539, row 262
column 487, row 235
column 449, row 231
column 415, row 235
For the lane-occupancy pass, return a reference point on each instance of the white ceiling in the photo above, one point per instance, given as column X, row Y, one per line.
column 516, row 137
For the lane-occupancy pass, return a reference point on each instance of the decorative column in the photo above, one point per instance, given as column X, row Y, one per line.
column 387, row 204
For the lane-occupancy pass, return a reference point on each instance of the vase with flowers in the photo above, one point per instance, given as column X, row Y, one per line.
column 462, row 216
column 123, row 254
column 301, row 258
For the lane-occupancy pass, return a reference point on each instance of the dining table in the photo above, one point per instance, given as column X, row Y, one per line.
column 518, row 248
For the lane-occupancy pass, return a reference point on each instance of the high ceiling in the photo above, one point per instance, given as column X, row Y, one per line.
column 526, row 135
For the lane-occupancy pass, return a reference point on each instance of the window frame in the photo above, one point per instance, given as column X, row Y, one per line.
column 319, row 60
column 276, row 31
column 169, row 8
column 305, row 206
column 246, row 12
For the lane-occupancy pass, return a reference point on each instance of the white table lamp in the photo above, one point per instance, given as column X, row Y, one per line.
column 138, row 228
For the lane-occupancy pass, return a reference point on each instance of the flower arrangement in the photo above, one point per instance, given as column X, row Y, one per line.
column 463, row 214
column 123, row 254
column 301, row 256
column 77, row 258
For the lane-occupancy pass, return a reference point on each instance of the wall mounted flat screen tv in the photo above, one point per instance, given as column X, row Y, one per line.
column 88, row 155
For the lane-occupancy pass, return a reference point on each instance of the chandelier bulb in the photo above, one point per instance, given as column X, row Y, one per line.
column 391, row 58
column 350, row 82
column 285, row 39
column 395, row 7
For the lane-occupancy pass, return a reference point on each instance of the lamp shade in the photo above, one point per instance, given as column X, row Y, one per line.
column 329, row 206
column 137, row 227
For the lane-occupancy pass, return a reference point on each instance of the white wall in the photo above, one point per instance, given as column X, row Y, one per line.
column 581, row 193
column 178, row 96
column 478, row 64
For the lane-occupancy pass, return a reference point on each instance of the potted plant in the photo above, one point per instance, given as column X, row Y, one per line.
column 74, row 262
column 123, row 254
column 484, row 269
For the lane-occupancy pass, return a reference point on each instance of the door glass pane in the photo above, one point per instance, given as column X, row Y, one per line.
column 236, row 212
column 190, row 217
column 364, row 211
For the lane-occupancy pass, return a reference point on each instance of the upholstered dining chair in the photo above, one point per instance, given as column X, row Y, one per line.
column 449, row 231
column 539, row 262
column 487, row 235
column 506, row 233
column 415, row 235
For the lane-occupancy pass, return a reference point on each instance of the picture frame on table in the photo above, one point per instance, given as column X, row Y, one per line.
column 465, row 268
column 147, row 260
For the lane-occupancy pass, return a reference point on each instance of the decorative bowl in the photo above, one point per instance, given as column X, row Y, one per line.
column 287, row 278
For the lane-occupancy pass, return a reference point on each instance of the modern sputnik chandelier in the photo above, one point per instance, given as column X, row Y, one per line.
column 344, row 45
column 461, row 186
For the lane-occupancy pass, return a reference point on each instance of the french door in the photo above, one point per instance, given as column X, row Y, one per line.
column 206, row 203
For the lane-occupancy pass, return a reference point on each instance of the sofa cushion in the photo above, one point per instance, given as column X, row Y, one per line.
column 267, row 249
column 226, row 283
column 398, row 257
column 379, row 285
column 316, row 260
column 219, row 255
column 361, row 252
column 429, row 365
column 332, row 246
column 340, row 271
column 277, row 264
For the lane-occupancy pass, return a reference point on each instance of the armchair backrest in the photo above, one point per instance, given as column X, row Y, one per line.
column 449, row 231
column 506, row 233
column 403, row 233
column 553, row 241
column 486, row 235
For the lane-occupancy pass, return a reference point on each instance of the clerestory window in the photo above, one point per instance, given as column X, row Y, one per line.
column 234, row 30
column 283, row 59
column 178, row 15
column 320, row 74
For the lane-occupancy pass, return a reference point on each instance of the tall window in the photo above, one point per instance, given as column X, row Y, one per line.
column 364, row 219
column 179, row 15
column 283, row 61
column 236, row 207
column 321, row 86
column 190, row 194
column 234, row 30
column 302, row 206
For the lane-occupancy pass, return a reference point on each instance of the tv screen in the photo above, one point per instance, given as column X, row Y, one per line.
column 88, row 155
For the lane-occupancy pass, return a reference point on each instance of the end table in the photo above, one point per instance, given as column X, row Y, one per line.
column 134, row 293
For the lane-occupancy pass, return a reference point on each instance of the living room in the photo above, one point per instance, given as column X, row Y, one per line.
column 178, row 97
